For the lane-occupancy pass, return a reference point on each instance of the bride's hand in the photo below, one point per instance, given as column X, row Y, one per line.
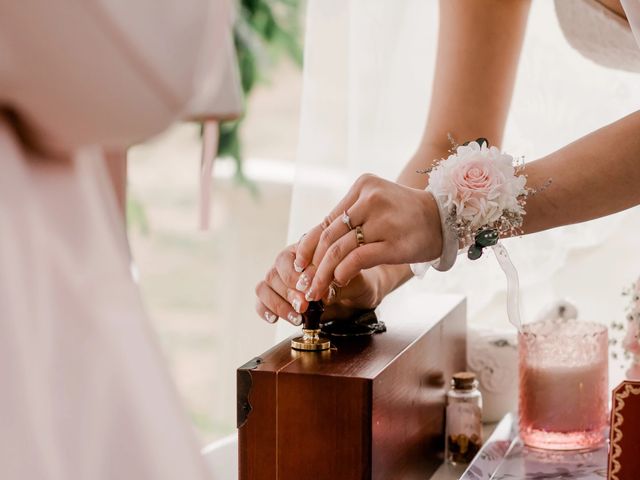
column 281, row 293
column 399, row 225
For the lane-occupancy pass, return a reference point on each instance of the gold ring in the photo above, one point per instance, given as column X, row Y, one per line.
column 359, row 236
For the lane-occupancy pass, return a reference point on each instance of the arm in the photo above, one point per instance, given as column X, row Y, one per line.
column 469, row 47
column 594, row 176
column 479, row 40
column 597, row 175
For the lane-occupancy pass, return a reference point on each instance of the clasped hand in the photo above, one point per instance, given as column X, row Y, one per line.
column 342, row 259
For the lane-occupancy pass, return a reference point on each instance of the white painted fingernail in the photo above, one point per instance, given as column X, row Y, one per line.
column 332, row 293
column 303, row 283
column 295, row 319
column 270, row 317
column 296, row 304
column 309, row 296
column 296, row 267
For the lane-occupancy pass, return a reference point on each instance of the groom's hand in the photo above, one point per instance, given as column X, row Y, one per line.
column 282, row 292
column 277, row 293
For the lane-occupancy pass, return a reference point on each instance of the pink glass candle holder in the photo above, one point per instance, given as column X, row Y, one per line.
column 564, row 384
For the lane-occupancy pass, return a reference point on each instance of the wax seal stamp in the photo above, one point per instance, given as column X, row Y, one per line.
column 311, row 339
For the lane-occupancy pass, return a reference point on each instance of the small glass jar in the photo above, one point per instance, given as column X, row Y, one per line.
column 463, row 436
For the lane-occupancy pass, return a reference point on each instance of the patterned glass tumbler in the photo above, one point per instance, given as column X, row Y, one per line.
column 564, row 384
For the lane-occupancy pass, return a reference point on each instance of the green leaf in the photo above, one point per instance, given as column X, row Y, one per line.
column 265, row 32
column 137, row 215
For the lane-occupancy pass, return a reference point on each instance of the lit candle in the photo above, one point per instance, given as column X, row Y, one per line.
column 563, row 384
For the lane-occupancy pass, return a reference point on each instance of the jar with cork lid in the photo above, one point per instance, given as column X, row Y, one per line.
column 463, row 436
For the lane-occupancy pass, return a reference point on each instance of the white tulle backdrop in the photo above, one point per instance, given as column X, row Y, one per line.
column 367, row 82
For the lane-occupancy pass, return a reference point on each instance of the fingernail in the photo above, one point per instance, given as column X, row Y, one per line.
column 296, row 304
column 270, row 317
column 296, row 267
column 309, row 295
column 332, row 293
column 295, row 319
column 303, row 283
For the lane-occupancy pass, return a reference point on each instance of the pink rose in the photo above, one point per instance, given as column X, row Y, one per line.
column 477, row 183
column 480, row 182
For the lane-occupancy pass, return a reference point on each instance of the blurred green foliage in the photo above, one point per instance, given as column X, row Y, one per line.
column 265, row 32
column 136, row 214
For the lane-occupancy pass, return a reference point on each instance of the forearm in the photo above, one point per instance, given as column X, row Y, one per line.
column 469, row 47
column 479, row 44
column 594, row 176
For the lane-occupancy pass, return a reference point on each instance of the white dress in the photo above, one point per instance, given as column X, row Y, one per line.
column 84, row 394
column 367, row 78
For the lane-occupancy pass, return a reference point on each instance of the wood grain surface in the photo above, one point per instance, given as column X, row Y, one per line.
column 369, row 408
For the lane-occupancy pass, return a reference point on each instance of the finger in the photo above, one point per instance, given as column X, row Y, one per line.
column 306, row 247
column 333, row 295
column 354, row 293
column 265, row 313
column 285, row 269
column 352, row 196
column 362, row 258
column 276, row 304
column 336, row 230
column 295, row 298
column 308, row 243
column 286, row 281
column 324, row 274
column 305, row 278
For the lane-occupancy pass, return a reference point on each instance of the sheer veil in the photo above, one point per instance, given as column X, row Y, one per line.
column 367, row 82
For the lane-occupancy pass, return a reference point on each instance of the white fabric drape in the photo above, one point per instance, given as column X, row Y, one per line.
column 367, row 81
column 85, row 394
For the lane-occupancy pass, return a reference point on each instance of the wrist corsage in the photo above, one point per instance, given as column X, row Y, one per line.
column 481, row 197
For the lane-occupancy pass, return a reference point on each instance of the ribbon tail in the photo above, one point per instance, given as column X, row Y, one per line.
column 209, row 150
column 513, row 284
column 420, row 269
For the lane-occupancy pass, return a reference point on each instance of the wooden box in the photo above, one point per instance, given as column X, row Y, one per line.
column 368, row 408
column 624, row 446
